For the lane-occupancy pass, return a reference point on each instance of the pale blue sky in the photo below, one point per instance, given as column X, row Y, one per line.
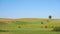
column 29, row 8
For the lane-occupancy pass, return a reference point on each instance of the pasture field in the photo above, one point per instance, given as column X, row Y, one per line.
column 29, row 32
column 29, row 26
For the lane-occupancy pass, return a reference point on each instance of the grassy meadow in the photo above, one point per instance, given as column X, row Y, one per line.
column 28, row 26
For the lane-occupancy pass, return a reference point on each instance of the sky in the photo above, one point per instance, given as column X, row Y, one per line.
column 29, row 8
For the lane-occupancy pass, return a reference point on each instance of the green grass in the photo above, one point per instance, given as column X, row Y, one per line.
column 30, row 26
column 32, row 32
column 29, row 32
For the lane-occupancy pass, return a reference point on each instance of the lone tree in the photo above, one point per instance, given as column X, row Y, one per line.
column 50, row 17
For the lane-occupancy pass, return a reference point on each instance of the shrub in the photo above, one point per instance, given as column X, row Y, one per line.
column 19, row 26
column 46, row 26
column 3, row 30
column 41, row 22
column 56, row 29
